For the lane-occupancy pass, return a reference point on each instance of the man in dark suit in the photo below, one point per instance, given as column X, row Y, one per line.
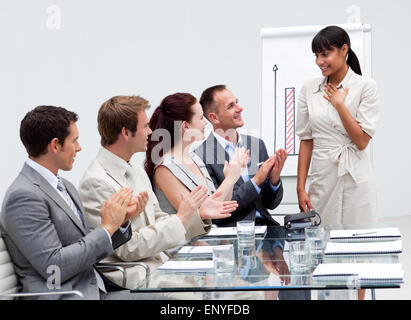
column 259, row 187
column 42, row 219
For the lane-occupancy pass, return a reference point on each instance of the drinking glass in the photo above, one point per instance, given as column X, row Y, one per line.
column 223, row 259
column 299, row 257
column 246, row 232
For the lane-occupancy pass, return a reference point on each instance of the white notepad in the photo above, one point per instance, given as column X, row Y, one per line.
column 358, row 248
column 357, row 235
column 366, row 272
column 187, row 266
column 232, row 231
column 196, row 250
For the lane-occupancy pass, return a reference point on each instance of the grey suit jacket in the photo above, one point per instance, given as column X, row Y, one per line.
column 47, row 242
column 249, row 200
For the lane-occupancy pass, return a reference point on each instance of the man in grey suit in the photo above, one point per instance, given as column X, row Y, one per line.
column 259, row 187
column 42, row 219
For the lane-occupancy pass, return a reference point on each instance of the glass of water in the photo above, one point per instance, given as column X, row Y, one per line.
column 316, row 238
column 246, row 256
column 299, row 257
column 223, row 259
column 246, row 232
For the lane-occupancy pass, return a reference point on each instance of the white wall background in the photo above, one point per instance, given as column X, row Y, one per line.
column 158, row 47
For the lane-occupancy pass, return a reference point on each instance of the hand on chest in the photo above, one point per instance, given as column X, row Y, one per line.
column 323, row 113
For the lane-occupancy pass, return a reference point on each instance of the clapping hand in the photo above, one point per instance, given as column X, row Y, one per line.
column 237, row 164
column 280, row 157
column 264, row 170
column 114, row 210
column 216, row 209
column 136, row 206
column 191, row 202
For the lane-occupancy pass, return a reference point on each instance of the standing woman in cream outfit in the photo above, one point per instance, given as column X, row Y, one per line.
column 337, row 116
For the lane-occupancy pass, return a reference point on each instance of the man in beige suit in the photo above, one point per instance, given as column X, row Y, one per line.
column 124, row 130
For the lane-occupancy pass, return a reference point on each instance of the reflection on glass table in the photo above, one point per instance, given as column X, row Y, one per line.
column 262, row 270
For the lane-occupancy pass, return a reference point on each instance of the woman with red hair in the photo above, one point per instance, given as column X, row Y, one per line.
column 174, row 170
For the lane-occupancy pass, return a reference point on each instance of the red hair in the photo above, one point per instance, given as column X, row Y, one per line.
column 175, row 107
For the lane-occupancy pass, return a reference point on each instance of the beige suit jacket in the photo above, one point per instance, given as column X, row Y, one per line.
column 154, row 231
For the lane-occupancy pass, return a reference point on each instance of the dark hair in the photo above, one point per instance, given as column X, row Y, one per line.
column 207, row 98
column 336, row 37
column 175, row 107
column 43, row 124
column 116, row 113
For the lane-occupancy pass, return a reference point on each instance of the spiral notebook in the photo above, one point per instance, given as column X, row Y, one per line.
column 365, row 235
column 358, row 248
column 366, row 273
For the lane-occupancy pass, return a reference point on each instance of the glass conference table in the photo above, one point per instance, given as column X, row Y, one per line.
column 266, row 274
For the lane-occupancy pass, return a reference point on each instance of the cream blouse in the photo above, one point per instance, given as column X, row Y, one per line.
column 318, row 119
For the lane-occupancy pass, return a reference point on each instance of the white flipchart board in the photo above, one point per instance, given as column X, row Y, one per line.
column 287, row 63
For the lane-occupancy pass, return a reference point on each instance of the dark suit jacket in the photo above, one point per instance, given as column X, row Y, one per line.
column 214, row 155
column 42, row 232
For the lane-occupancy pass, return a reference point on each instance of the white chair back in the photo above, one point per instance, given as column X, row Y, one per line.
column 8, row 280
column 8, row 277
